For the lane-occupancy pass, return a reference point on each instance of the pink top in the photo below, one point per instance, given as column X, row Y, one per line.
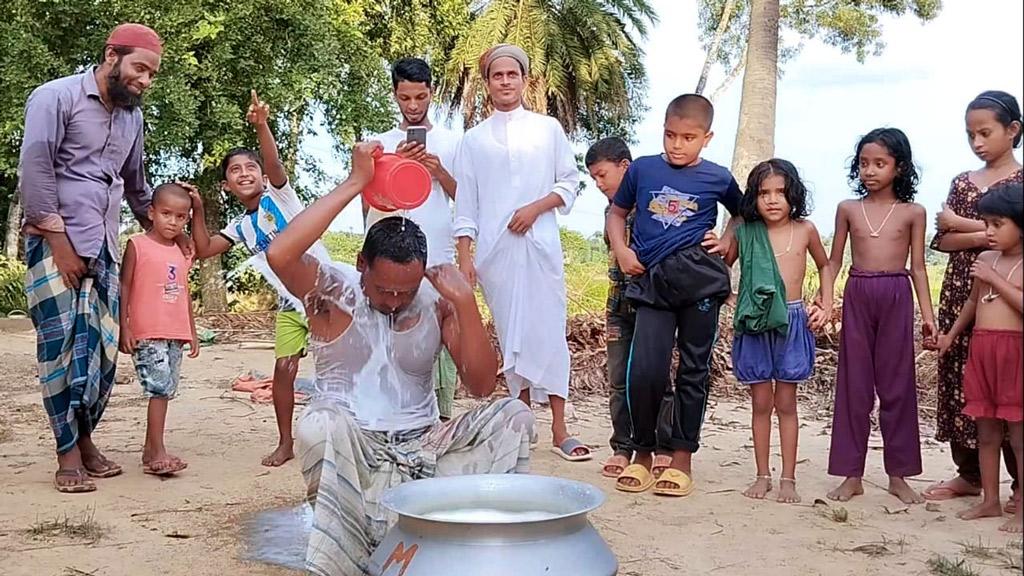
column 158, row 306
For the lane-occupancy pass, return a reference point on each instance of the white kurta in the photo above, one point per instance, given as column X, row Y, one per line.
column 504, row 163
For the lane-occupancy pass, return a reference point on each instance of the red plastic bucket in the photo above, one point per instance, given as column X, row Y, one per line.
column 398, row 184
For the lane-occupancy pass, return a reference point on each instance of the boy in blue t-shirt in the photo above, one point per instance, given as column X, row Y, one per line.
column 679, row 283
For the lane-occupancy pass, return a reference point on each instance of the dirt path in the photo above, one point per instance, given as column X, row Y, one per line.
column 192, row 525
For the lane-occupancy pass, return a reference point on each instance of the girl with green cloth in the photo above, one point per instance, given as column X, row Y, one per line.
column 773, row 341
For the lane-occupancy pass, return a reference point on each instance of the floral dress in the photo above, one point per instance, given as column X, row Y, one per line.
column 952, row 425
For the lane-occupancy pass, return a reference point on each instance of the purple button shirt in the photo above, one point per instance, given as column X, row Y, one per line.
column 78, row 160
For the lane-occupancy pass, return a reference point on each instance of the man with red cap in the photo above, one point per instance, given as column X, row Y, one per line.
column 81, row 154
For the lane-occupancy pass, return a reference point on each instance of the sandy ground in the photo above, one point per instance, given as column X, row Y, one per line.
column 193, row 524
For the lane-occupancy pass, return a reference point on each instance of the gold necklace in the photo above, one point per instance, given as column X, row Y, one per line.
column 876, row 233
column 992, row 295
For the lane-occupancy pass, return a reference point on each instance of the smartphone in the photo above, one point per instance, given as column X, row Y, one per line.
column 416, row 134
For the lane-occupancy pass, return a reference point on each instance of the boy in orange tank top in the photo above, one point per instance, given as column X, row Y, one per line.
column 156, row 317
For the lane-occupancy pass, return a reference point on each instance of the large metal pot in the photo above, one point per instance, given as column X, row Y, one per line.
column 565, row 544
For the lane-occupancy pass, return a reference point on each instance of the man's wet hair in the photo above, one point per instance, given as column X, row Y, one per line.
column 692, row 107
column 397, row 239
column 169, row 190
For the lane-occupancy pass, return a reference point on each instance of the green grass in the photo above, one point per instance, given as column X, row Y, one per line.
column 586, row 273
column 81, row 527
column 12, row 286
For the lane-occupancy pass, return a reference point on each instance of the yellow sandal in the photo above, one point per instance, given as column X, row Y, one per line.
column 637, row 472
column 684, row 485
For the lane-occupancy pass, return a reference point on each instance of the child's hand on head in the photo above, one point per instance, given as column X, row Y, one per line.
column 259, row 112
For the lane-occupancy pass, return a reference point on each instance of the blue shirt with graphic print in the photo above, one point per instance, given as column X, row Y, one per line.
column 675, row 205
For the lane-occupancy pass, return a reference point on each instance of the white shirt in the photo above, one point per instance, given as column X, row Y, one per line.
column 379, row 370
column 255, row 229
column 434, row 216
column 504, row 163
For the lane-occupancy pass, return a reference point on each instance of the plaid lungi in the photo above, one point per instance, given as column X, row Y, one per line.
column 347, row 470
column 76, row 339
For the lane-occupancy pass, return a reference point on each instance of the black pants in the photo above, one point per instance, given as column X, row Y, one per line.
column 677, row 301
column 967, row 466
column 620, row 324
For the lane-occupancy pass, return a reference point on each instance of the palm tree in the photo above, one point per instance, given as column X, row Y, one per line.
column 586, row 64
column 755, row 135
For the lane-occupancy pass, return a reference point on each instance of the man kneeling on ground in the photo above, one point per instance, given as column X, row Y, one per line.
column 376, row 331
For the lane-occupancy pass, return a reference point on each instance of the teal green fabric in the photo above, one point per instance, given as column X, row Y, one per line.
column 446, row 380
column 761, row 305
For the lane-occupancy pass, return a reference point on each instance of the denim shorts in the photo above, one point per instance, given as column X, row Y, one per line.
column 158, row 364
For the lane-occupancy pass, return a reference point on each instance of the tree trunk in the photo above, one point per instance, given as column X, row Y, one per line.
column 755, row 136
column 214, row 291
column 13, row 227
column 291, row 147
column 723, row 25
column 729, row 78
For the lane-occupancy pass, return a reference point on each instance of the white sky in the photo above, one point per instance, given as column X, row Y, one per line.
column 921, row 83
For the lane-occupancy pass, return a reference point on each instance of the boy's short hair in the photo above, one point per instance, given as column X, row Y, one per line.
column 250, row 154
column 612, row 150
column 415, row 70
column 1006, row 200
column 167, row 190
column 692, row 107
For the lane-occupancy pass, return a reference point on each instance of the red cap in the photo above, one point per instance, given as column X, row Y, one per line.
column 136, row 36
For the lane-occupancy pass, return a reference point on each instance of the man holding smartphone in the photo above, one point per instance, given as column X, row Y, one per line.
column 434, row 147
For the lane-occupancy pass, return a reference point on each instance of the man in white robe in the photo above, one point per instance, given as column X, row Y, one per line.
column 514, row 170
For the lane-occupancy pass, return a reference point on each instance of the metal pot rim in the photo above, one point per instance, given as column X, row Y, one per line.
column 565, row 498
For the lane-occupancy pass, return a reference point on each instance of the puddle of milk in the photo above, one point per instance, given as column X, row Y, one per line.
column 279, row 536
column 488, row 516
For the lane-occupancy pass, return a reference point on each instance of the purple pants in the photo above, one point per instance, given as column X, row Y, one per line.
column 876, row 356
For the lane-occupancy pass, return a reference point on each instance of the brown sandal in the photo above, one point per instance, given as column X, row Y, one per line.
column 108, row 469
column 83, row 482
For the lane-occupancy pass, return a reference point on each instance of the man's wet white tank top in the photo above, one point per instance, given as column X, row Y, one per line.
column 380, row 369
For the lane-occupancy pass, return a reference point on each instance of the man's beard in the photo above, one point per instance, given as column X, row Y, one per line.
column 119, row 93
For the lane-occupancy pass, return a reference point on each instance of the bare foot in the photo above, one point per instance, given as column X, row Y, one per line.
column 760, row 487
column 899, row 488
column 279, row 456
column 848, row 489
column 983, row 509
column 787, row 491
column 1014, row 525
